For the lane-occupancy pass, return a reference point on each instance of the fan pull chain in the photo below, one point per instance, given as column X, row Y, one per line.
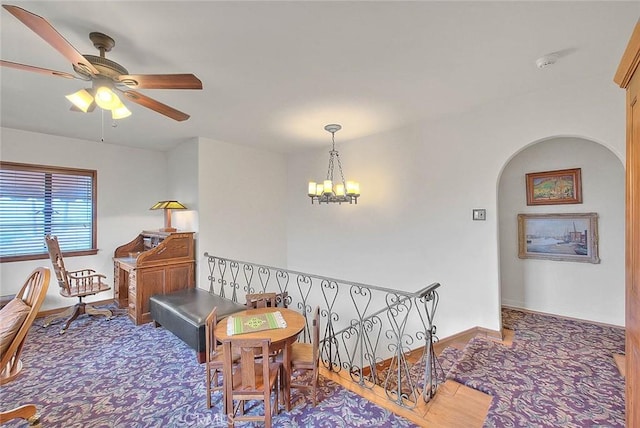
column 102, row 130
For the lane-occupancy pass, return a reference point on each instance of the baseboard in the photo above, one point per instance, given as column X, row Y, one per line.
column 48, row 312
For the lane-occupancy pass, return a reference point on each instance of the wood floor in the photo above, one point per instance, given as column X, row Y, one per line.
column 453, row 406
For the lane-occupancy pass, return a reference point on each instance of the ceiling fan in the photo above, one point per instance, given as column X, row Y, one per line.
column 107, row 77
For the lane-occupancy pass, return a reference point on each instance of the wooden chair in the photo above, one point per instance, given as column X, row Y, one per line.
column 16, row 319
column 214, row 359
column 252, row 379
column 305, row 357
column 80, row 283
column 28, row 412
column 261, row 300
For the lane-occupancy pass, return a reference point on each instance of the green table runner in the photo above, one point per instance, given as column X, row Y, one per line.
column 257, row 322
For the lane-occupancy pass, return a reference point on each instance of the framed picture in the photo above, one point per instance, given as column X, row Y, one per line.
column 563, row 186
column 564, row 237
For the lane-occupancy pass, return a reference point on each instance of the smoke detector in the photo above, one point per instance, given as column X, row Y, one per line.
column 546, row 61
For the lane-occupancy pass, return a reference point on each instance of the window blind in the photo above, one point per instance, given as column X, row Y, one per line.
column 36, row 201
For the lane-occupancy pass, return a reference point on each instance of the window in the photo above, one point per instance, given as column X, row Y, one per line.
column 38, row 200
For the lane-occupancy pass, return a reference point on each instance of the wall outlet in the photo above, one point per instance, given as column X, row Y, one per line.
column 479, row 214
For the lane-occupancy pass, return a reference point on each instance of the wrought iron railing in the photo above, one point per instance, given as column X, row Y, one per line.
column 367, row 331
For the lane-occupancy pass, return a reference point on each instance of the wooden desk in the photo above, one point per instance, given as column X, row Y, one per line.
column 280, row 337
column 153, row 263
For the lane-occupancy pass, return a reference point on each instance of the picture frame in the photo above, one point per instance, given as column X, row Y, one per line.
column 563, row 237
column 563, row 186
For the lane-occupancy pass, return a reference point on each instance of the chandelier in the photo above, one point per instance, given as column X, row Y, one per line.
column 326, row 192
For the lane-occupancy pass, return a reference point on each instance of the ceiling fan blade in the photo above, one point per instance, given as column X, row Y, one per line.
column 160, row 81
column 25, row 67
column 42, row 28
column 157, row 106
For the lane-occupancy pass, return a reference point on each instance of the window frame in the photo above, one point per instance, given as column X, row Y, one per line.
column 94, row 203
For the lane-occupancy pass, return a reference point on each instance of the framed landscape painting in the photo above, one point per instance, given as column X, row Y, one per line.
column 564, row 237
column 563, row 186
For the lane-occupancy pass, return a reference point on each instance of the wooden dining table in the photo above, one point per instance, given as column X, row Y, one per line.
column 281, row 338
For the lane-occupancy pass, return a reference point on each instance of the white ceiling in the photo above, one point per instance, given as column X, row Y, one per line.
column 274, row 73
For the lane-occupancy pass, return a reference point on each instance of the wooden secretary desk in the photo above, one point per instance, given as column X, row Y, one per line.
column 153, row 263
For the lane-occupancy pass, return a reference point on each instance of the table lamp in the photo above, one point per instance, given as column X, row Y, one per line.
column 167, row 206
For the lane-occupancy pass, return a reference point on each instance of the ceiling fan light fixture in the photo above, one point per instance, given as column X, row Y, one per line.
column 120, row 112
column 81, row 99
column 106, row 98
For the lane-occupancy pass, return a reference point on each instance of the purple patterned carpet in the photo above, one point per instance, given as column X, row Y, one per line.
column 558, row 373
column 113, row 374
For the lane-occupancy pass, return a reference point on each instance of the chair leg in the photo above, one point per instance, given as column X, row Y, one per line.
column 27, row 412
column 90, row 310
column 79, row 310
column 74, row 312
column 58, row 316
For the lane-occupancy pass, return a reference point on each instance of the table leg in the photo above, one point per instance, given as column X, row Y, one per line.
column 287, row 376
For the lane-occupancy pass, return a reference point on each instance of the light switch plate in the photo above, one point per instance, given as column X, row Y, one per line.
column 479, row 214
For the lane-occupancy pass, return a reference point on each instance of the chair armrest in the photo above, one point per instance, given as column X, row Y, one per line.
column 84, row 280
column 81, row 272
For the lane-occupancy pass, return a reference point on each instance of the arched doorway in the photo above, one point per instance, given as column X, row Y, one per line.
column 581, row 290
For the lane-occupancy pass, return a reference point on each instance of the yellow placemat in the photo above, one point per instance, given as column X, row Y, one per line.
column 257, row 322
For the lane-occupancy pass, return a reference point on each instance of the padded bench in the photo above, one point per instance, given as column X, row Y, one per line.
column 184, row 312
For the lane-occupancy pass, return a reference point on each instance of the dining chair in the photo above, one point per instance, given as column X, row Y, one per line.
column 79, row 283
column 261, row 300
column 305, row 358
column 16, row 319
column 214, row 358
column 251, row 379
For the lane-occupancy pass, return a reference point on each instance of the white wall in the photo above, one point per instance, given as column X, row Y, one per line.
column 412, row 225
column 579, row 290
column 129, row 182
column 242, row 205
column 182, row 184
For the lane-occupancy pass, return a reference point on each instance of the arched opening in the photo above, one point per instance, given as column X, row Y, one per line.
column 581, row 290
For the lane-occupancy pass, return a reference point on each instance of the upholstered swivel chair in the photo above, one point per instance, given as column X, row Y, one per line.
column 251, row 379
column 79, row 283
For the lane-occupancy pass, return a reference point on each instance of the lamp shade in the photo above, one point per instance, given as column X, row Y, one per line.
column 167, row 206
column 171, row 205
column 120, row 112
column 81, row 99
column 106, row 98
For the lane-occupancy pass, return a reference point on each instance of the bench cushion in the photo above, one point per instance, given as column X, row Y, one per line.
column 184, row 312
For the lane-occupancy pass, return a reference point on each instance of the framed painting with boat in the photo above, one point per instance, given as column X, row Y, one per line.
column 563, row 237
column 563, row 186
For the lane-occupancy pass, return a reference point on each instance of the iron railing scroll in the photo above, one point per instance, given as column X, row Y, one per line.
column 367, row 331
